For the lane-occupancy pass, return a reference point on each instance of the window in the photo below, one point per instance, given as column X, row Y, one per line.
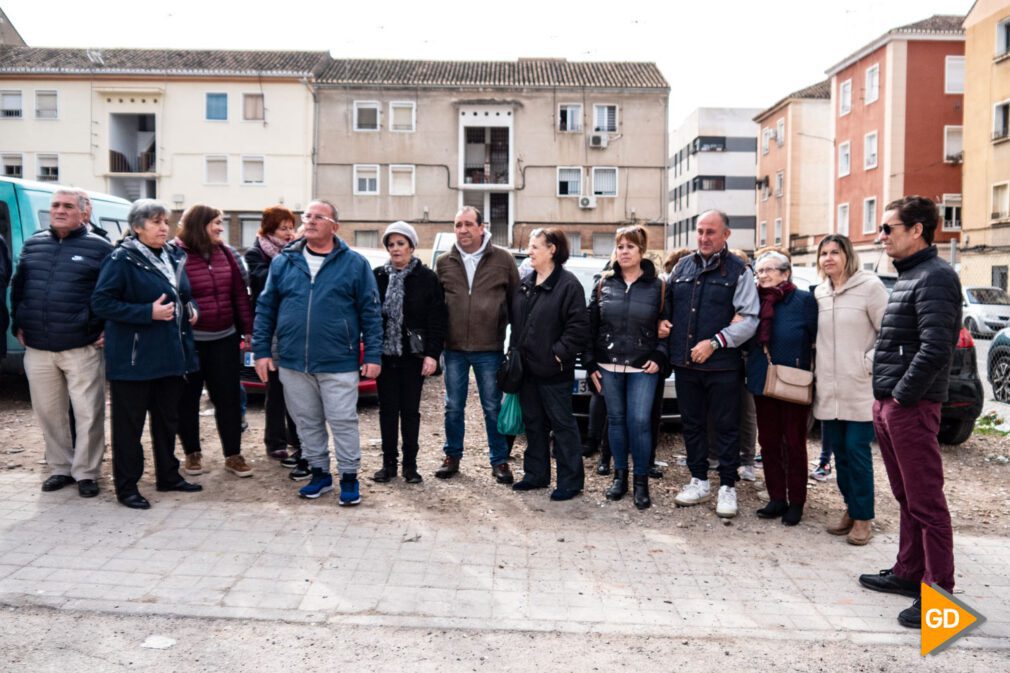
column 710, row 144
column 870, row 150
column 842, row 224
column 605, row 181
column 49, row 168
column 954, row 75
column 366, row 179
column 570, row 117
column 217, row 107
column 216, row 170
column 953, row 143
column 401, row 180
column 1000, row 201
column 569, row 180
column 780, row 132
column 780, row 183
column 766, row 136
column 844, row 155
column 872, row 92
column 709, row 183
column 605, row 117
column 13, row 166
column 402, row 118
column 249, row 228
column 951, row 218
column 10, row 104
column 766, row 189
column 603, row 244
column 870, row 215
column 46, row 105
column 366, row 239
column 778, row 231
column 252, row 171
column 762, row 234
column 366, row 116
column 845, row 98
column 252, row 107
column 1003, row 38
column 1001, row 121
column 574, row 242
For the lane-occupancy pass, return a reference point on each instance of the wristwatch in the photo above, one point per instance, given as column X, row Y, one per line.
column 715, row 343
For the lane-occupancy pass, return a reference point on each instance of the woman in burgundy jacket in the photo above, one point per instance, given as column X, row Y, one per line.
column 224, row 318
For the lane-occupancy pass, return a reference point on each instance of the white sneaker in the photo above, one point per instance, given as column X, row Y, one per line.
column 727, row 502
column 747, row 473
column 692, row 494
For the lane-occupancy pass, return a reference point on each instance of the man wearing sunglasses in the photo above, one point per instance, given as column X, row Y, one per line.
column 911, row 367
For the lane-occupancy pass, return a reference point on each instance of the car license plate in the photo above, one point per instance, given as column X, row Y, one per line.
column 248, row 359
column 579, row 387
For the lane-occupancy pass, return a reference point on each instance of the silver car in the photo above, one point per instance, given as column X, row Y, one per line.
column 985, row 310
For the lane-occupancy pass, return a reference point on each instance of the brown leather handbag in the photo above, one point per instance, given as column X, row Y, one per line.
column 789, row 384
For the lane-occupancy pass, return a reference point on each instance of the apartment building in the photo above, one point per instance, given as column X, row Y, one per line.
column 898, row 129
column 985, row 233
column 794, row 172
column 532, row 143
column 231, row 129
column 711, row 166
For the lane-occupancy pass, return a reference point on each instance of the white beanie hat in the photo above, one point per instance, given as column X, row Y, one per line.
column 403, row 229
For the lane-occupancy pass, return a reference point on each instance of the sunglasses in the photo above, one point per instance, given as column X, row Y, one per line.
column 888, row 228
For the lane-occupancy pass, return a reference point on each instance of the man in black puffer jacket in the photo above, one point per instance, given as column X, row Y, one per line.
column 51, row 308
column 910, row 371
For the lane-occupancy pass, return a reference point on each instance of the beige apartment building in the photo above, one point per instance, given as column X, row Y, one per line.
column 794, row 172
column 985, row 227
column 532, row 143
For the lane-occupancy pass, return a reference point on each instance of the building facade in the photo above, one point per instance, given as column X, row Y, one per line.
column 898, row 129
column 532, row 143
column 711, row 166
column 231, row 129
column 985, row 237
column 794, row 172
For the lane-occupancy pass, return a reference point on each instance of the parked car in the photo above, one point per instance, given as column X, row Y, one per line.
column 986, row 310
column 998, row 365
column 24, row 210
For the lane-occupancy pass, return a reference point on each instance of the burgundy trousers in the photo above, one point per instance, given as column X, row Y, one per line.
column 782, row 434
column 911, row 453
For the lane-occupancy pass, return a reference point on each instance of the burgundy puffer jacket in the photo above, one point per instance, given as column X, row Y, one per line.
column 218, row 290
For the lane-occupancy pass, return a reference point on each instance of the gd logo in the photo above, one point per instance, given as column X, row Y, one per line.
column 944, row 619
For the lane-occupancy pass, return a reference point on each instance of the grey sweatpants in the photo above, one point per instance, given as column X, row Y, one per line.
column 314, row 400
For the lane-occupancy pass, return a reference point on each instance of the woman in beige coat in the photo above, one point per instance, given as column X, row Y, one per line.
column 850, row 305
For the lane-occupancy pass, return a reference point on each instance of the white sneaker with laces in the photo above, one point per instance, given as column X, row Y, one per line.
column 695, row 492
column 747, row 473
column 726, row 508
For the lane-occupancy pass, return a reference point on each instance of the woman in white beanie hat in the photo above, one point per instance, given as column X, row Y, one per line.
column 414, row 321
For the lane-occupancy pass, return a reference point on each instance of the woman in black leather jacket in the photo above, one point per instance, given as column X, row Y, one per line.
column 627, row 356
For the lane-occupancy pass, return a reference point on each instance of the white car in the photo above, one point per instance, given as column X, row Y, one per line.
column 985, row 310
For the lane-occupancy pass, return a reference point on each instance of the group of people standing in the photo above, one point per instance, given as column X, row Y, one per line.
column 161, row 319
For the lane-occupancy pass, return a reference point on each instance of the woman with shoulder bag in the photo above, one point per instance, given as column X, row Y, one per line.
column 785, row 338
column 414, row 319
column 627, row 356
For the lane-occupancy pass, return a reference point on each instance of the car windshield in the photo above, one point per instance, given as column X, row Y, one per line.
column 988, row 295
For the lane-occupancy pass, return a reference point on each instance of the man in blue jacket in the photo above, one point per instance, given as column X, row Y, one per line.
column 51, row 307
column 320, row 301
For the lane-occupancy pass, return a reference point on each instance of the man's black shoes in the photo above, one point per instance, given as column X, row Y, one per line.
column 56, row 482
column 887, row 582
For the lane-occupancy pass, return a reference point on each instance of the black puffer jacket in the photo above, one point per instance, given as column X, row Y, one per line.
column 423, row 308
column 51, row 290
column 5, row 278
column 551, row 317
column 623, row 320
column 920, row 328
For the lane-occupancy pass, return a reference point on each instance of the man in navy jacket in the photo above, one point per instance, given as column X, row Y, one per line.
column 51, row 307
column 320, row 301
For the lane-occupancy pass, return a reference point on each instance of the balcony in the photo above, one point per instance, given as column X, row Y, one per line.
column 141, row 163
column 132, row 144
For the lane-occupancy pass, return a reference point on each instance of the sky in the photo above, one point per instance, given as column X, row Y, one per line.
column 714, row 53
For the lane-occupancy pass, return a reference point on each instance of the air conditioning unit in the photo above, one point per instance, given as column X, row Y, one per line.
column 599, row 140
column 587, row 202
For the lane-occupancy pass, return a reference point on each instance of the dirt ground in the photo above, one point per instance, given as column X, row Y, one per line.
column 976, row 485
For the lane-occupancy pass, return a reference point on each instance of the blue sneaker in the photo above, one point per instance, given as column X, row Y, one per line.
column 349, row 494
column 321, row 483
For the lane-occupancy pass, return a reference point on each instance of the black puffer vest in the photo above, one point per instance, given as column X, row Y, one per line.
column 623, row 320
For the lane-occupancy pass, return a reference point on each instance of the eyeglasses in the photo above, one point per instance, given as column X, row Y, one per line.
column 306, row 218
column 886, row 228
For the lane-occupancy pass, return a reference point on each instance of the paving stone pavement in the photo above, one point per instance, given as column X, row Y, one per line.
column 315, row 562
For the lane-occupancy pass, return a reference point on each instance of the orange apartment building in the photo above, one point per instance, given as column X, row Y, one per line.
column 897, row 124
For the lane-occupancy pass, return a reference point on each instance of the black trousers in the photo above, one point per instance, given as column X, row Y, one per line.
column 131, row 402
column 548, row 407
column 399, row 387
column 715, row 395
column 280, row 430
column 220, row 364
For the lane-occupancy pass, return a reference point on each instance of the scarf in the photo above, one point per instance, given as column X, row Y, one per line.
column 392, row 307
column 270, row 245
column 769, row 297
column 159, row 261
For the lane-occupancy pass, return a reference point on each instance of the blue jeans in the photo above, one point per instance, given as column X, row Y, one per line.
column 853, row 463
column 629, row 416
column 457, row 382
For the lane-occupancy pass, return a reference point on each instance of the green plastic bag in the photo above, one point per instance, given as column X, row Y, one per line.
column 510, row 418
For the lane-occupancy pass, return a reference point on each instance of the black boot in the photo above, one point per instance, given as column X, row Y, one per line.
column 387, row 472
column 642, row 500
column 604, row 466
column 591, row 446
column 619, row 488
